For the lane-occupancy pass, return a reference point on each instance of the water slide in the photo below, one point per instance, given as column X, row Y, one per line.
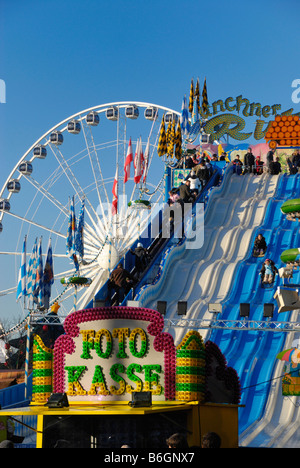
column 207, row 275
column 273, row 419
column 253, row 354
column 225, row 271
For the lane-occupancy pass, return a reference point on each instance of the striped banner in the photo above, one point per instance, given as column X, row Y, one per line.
column 184, row 118
column 204, row 99
column 38, row 291
column 191, row 99
column 79, row 246
column 171, row 140
column 178, row 142
column 21, row 290
column 48, row 277
column 31, row 272
column 162, row 141
column 71, row 252
column 197, row 95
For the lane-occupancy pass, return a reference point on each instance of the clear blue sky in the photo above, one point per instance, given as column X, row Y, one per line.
column 60, row 57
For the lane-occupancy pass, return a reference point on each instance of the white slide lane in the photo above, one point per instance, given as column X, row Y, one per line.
column 280, row 425
column 206, row 275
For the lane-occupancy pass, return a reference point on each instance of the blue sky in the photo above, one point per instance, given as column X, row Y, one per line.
column 60, row 57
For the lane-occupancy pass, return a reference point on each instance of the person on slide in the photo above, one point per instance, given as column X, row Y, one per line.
column 268, row 271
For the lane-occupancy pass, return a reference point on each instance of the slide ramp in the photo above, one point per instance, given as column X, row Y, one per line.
column 225, row 271
column 206, row 275
column 268, row 418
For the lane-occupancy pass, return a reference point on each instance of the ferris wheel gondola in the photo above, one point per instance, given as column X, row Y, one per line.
column 25, row 168
column 78, row 157
column 40, row 151
column 14, row 186
column 74, row 127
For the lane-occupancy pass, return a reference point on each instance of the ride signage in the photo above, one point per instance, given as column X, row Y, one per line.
column 108, row 353
column 232, row 125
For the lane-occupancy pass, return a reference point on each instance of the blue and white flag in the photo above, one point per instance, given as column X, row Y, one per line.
column 21, row 290
column 195, row 123
column 38, row 292
column 48, row 277
column 31, row 271
column 184, row 118
column 79, row 247
column 71, row 250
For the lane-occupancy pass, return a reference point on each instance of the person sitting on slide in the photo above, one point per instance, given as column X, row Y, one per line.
column 260, row 245
column 268, row 271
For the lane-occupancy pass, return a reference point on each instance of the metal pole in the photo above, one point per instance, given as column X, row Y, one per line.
column 27, row 355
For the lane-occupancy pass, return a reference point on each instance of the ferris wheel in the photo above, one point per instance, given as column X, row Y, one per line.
column 79, row 162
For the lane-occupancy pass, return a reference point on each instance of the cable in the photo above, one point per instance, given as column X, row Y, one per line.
column 267, row 381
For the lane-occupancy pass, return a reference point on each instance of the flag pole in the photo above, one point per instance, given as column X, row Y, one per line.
column 27, row 355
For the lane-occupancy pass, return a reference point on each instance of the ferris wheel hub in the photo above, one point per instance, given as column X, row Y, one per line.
column 109, row 257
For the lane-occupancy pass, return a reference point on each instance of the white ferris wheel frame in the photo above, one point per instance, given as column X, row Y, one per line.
column 80, row 116
column 63, row 127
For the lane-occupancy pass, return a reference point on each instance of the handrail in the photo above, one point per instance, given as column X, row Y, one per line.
column 156, row 244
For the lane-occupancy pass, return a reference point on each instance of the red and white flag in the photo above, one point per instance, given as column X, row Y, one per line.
column 138, row 162
column 146, row 161
column 114, row 208
column 128, row 161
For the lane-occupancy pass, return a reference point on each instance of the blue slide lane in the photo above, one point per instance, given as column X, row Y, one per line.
column 253, row 354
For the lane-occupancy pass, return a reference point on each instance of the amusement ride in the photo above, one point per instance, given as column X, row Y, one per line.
column 78, row 166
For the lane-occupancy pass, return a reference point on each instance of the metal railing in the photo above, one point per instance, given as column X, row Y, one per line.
column 200, row 324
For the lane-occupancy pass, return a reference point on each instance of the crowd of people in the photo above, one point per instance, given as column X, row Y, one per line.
column 121, row 280
column 294, row 162
column 179, row 441
column 175, row 441
column 254, row 164
column 200, row 171
column 250, row 164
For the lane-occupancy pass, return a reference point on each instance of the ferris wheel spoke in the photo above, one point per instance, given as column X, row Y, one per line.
column 94, row 161
column 83, row 268
column 71, row 178
column 63, row 274
column 97, row 230
column 47, row 194
column 55, row 255
column 5, row 292
column 92, row 244
column 33, row 223
column 67, row 171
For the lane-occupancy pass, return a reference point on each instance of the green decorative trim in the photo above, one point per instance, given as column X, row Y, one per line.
column 193, row 370
column 42, row 357
column 189, row 387
column 41, row 388
column 190, row 353
column 42, row 373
